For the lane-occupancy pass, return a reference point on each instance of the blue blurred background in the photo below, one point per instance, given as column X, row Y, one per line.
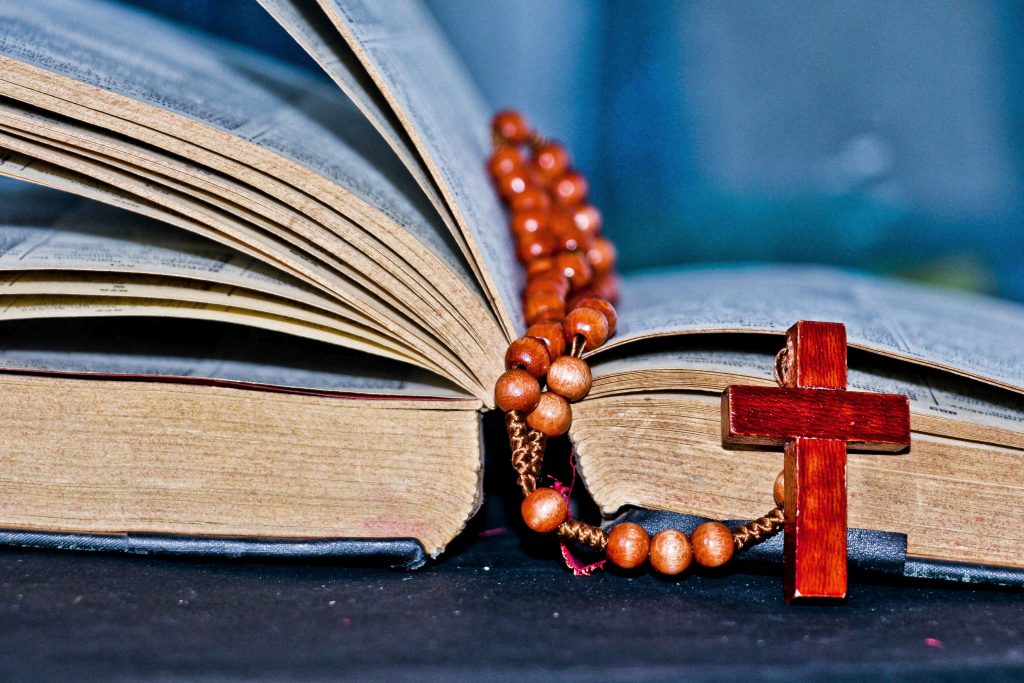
column 877, row 135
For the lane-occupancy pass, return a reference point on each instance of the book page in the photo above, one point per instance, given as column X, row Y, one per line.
column 203, row 350
column 407, row 56
column 971, row 335
column 47, row 230
column 281, row 109
column 938, row 394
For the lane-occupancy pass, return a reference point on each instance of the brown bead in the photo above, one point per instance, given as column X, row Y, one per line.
column 569, row 237
column 548, row 281
column 670, row 552
column 587, row 218
column 628, row 545
column 552, row 416
column 606, row 285
column 574, row 267
column 551, row 159
column 712, row 544
column 569, row 189
column 539, row 265
column 570, row 377
column 516, row 390
column 588, row 322
column 505, row 160
column 528, row 222
column 551, row 334
column 779, row 489
column 511, row 184
column 602, row 305
column 601, row 255
column 536, row 245
column 528, row 354
column 543, row 306
column 510, row 125
column 544, row 510
column 530, row 199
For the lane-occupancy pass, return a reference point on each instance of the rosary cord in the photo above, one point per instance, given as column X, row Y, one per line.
column 760, row 529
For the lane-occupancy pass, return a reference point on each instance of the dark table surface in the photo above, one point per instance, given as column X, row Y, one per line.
column 498, row 606
column 490, row 610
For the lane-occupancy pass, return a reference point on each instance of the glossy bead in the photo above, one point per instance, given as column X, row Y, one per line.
column 528, row 354
column 552, row 416
column 532, row 198
column 588, row 322
column 544, row 510
column 535, row 245
column 569, row 377
column 552, row 281
column 712, row 544
column 511, row 184
column 551, row 159
column 779, row 489
column 574, row 267
column 539, row 285
column 601, row 255
column 510, row 125
column 505, row 160
column 587, row 218
column 606, row 285
column 602, row 305
column 528, row 222
column 551, row 334
column 543, row 306
column 569, row 189
column 570, row 237
column 539, row 265
column 516, row 390
column 628, row 545
column 670, row 552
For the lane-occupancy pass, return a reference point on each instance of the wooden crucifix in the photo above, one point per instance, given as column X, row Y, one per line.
column 815, row 419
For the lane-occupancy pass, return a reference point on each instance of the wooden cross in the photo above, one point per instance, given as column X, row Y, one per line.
column 815, row 418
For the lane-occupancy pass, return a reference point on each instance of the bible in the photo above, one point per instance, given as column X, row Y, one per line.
column 253, row 310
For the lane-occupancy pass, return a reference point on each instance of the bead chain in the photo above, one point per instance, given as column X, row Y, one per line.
column 568, row 302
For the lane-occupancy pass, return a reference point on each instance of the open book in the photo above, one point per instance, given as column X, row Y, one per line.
column 250, row 309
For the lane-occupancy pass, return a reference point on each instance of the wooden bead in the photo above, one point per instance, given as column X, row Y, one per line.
column 513, row 183
column 779, row 489
column 574, row 267
column 505, row 160
column 712, row 544
column 511, row 126
column 569, row 377
column 517, row 390
column 588, row 322
column 539, row 265
column 544, row 510
column 528, row 222
column 557, row 281
column 540, row 285
column 606, row 285
column 602, row 305
column 535, row 245
column 551, row 159
column 569, row 237
column 551, row 334
column 628, row 545
column 601, row 255
column 670, row 552
column 587, row 218
column 569, row 189
column 543, row 306
column 528, row 354
column 552, row 416
column 531, row 199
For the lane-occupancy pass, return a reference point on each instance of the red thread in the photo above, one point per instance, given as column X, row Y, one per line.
column 578, row 568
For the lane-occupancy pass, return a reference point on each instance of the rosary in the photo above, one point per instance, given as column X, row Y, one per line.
column 568, row 305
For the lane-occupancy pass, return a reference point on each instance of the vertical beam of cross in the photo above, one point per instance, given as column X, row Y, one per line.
column 814, row 417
